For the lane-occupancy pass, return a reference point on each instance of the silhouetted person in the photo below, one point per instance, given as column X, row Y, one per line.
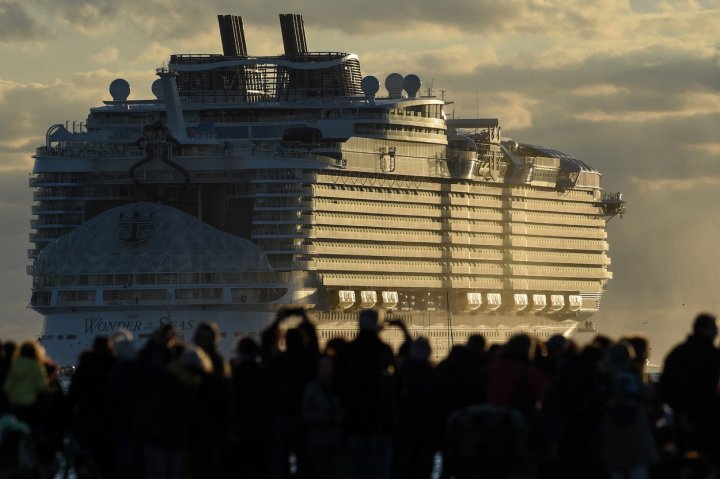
column 571, row 416
column 464, row 378
column 91, row 421
column 689, row 385
column 25, row 381
column 207, row 337
column 297, row 366
column 123, row 403
column 513, row 381
column 210, row 425
column 323, row 416
column 259, row 395
column 166, row 396
column 368, row 391
column 421, row 414
column 554, row 347
column 628, row 444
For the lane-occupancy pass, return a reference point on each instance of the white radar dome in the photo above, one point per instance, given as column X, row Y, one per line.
column 157, row 89
column 119, row 89
column 412, row 84
column 394, row 85
column 370, row 86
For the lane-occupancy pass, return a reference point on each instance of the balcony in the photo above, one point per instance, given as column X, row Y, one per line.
column 44, row 223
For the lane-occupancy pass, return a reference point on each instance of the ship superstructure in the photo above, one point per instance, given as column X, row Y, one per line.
column 252, row 182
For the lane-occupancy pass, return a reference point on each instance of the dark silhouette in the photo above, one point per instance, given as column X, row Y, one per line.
column 323, row 416
column 689, row 385
column 88, row 393
column 258, row 396
column 367, row 387
column 211, row 429
column 280, row 409
column 421, row 413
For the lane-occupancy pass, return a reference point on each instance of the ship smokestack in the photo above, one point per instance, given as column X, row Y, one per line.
column 293, row 33
column 232, row 35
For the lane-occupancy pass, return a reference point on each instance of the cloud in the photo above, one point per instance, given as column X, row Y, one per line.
column 27, row 110
column 154, row 53
column 646, row 185
column 89, row 16
column 106, row 55
column 710, row 148
column 597, row 89
column 15, row 23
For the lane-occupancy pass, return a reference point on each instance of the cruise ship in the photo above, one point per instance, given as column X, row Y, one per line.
column 249, row 182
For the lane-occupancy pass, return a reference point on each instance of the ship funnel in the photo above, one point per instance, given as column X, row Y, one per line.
column 232, row 35
column 293, row 33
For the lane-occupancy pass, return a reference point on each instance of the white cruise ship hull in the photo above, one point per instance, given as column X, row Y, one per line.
column 249, row 183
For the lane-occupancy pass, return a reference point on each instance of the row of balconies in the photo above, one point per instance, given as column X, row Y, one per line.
column 377, row 280
column 60, row 194
column 555, row 218
column 136, row 296
column 580, row 214
column 577, row 232
column 458, row 282
column 389, row 236
column 47, row 221
column 129, row 281
column 52, row 180
column 461, row 268
column 525, row 204
column 455, row 252
column 410, row 194
column 458, row 224
column 56, row 208
column 46, row 235
column 468, row 190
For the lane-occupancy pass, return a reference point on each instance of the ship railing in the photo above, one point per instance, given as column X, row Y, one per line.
column 92, row 151
column 409, row 134
column 44, row 209
column 59, row 195
column 612, row 197
column 43, row 236
column 53, row 180
column 46, row 222
column 193, row 58
column 143, row 280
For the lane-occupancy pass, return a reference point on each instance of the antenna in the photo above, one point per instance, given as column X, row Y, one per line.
column 430, row 88
column 477, row 101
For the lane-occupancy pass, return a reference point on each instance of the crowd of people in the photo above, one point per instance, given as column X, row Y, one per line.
column 283, row 407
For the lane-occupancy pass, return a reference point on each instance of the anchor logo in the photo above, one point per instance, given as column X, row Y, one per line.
column 136, row 228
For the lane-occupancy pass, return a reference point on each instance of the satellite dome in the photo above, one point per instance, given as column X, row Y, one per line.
column 370, row 86
column 157, row 89
column 119, row 89
column 394, row 85
column 412, row 84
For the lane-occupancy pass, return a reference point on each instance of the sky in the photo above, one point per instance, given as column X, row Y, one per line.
column 631, row 87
